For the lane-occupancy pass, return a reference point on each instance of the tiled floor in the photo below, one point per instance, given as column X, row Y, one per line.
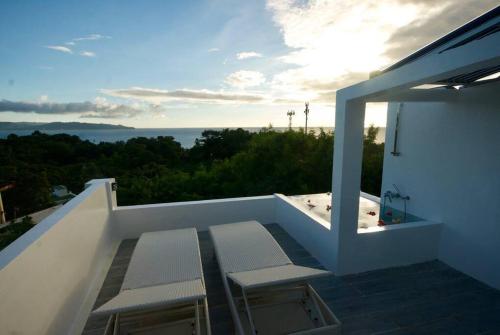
column 427, row 298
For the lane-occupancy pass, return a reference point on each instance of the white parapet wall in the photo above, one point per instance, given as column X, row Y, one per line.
column 392, row 245
column 310, row 230
column 132, row 221
column 49, row 276
column 52, row 274
column 368, row 249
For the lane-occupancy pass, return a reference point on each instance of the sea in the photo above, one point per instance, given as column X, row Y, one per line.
column 185, row 136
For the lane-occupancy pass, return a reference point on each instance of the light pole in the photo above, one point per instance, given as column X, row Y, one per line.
column 306, row 112
column 290, row 114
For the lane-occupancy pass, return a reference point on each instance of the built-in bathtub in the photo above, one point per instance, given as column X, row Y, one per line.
column 371, row 212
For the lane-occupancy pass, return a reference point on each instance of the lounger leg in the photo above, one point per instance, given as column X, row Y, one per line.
column 207, row 317
column 110, row 326
column 197, row 316
column 247, row 307
column 116, row 330
column 316, row 306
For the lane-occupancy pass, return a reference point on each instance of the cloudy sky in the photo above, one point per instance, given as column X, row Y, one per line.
column 207, row 63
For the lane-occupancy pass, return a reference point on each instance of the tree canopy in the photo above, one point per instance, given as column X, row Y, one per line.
column 226, row 163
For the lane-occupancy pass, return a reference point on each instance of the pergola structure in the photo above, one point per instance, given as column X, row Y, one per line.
column 455, row 64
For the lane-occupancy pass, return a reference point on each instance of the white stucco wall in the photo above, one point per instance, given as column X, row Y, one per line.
column 450, row 167
column 49, row 275
column 368, row 249
column 393, row 245
column 311, row 231
column 135, row 220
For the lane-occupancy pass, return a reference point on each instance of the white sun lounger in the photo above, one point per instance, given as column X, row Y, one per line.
column 163, row 290
column 267, row 293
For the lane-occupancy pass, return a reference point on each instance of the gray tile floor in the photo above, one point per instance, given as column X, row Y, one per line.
column 426, row 298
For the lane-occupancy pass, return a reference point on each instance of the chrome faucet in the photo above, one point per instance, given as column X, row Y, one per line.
column 398, row 193
column 395, row 195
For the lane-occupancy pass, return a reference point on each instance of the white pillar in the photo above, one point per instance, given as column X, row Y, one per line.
column 347, row 160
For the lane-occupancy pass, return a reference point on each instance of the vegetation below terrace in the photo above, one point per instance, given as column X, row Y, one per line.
column 227, row 163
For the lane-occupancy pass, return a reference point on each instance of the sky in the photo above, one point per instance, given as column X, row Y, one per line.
column 214, row 63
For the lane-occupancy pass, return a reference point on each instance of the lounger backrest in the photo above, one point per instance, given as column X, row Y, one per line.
column 165, row 269
column 246, row 246
column 164, row 257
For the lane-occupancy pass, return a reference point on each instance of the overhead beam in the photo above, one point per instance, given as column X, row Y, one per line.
column 429, row 69
column 437, row 94
column 416, row 95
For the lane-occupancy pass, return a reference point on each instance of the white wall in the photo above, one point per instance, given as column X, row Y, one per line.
column 49, row 275
column 311, row 231
column 393, row 245
column 135, row 220
column 450, row 167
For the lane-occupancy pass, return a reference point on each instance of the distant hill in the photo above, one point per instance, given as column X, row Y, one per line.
column 58, row 126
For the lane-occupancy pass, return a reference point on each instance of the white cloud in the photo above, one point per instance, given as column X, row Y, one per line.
column 213, row 49
column 60, row 48
column 248, row 54
column 158, row 95
column 426, row 28
column 87, row 54
column 332, row 39
column 244, row 79
column 91, row 37
column 105, row 109
column 337, row 43
column 98, row 109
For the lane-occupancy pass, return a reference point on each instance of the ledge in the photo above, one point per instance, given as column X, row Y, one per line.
column 314, row 217
column 393, row 227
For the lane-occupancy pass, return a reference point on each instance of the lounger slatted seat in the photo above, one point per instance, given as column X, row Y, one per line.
column 267, row 293
column 163, row 289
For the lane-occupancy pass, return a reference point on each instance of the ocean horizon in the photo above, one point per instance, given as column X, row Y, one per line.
column 185, row 136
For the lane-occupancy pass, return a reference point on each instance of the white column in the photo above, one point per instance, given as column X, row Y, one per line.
column 347, row 159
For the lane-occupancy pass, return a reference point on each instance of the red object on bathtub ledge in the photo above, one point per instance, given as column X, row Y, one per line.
column 381, row 223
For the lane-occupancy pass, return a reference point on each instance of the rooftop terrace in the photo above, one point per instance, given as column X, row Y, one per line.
column 425, row 298
column 75, row 260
